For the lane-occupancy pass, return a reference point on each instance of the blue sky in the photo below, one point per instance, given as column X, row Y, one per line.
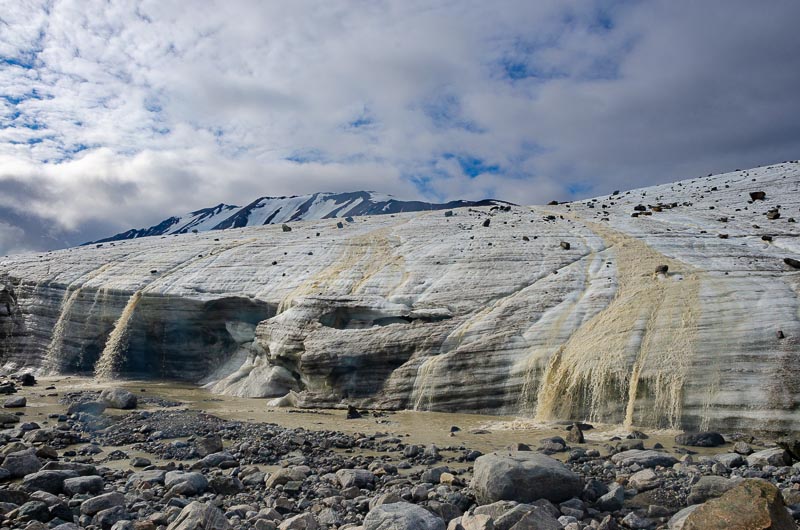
column 118, row 114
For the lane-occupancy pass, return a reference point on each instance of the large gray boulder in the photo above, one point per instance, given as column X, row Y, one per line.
column 200, row 516
column 118, row 398
column 710, row 487
column 523, row 477
column 5, row 417
column 149, row 476
column 46, row 480
column 700, row 439
column 647, row 458
column 15, row 402
column 776, row 456
column 208, row 445
column 753, row 504
column 102, row 502
column 402, row 516
column 88, row 484
column 191, row 483
column 22, row 463
column 354, row 477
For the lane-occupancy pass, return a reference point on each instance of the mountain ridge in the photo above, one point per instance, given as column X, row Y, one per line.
column 284, row 209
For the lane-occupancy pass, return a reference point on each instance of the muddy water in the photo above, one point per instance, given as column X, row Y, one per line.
column 481, row 432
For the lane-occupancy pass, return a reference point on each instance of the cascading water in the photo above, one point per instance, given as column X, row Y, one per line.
column 645, row 335
column 109, row 361
column 53, row 355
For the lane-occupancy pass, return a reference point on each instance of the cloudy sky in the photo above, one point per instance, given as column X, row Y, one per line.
column 117, row 114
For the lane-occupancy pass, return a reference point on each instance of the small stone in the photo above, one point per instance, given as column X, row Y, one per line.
column 795, row 264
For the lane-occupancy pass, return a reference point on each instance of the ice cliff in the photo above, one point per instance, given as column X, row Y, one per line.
column 552, row 312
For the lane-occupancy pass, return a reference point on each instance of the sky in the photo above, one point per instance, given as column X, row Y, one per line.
column 118, row 114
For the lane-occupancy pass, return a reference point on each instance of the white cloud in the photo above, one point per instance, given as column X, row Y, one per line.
column 124, row 112
column 11, row 238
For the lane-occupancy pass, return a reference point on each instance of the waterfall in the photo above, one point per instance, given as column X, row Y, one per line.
column 634, row 353
column 423, row 382
column 53, row 354
column 109, row 361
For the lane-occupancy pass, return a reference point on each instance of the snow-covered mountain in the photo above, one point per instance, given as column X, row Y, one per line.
column 274, row 210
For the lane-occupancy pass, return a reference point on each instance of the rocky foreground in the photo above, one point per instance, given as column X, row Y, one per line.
column 75, row 471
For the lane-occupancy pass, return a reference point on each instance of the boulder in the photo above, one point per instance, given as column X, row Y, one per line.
column 677, row 521
column 284, row 476
column 752, row 505
column 33, row 511
column 200, row 516
column 402, row 516
column 575, row 434
column 8, row 418
column 742, row 448
column 15, row 402
column 221, row 460
column 191, row 483
column 94, row 408
column 152, row 476
column 89, row 484
column 700, row 439
column 304, row 521
column 791, row 446
column 225, row 485
column 537, row 519
column 47, row 480
column 613, row 500
column 119, row 398
column 644, row 480
column 731, row 460
column 107, row 518
column 208, row 445
column 710, row 487
column 646, row 458
column 477, row 522
column 102, row 502
column 776, row 456
column 22, row 463
column 78, row 467
column 355, row 477
column 523, row 477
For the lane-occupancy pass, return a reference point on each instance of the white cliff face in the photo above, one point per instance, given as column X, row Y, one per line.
column 439, row 312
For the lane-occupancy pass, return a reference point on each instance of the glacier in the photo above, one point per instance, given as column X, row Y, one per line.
column 672, row 306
